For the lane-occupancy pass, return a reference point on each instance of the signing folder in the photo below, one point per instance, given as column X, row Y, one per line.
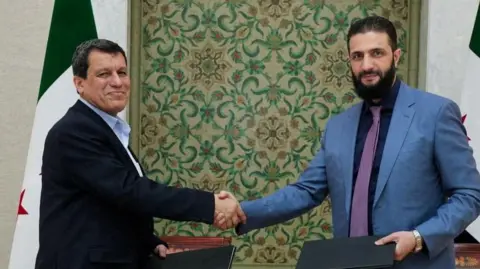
column 209, row 258
column 343, row 253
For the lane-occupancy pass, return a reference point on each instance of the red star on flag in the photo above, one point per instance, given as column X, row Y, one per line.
column 463, row 122
column 21, row 209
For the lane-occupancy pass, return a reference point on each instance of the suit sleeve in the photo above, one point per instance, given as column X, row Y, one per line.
column 459, row 178
column 98, row 171
column 291, row 201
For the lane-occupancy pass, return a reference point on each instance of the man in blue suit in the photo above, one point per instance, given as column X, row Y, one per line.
column 396, row 165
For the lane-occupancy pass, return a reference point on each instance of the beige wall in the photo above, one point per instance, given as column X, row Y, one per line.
column 444, row 45
column 24, row 28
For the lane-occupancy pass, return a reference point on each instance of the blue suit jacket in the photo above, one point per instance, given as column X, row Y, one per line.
column 426, row 159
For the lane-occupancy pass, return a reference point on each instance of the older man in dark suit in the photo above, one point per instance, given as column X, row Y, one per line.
column 96, row 204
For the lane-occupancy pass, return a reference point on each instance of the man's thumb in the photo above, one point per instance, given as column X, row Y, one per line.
column 223, row 195
column 385, row 240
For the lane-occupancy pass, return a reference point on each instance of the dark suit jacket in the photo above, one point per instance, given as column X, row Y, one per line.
column 95, row 210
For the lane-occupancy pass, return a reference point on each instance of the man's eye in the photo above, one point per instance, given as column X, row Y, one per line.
column 356, row 57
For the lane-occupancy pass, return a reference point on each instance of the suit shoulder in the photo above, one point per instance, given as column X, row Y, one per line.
column 72, row 121
column 65, row 123
column 340, row 117
column 431, row 100
column 59, row 126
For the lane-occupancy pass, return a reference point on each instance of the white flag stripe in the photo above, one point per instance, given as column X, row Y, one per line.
column 111, row 20
column 50, row 108
column 470, row 107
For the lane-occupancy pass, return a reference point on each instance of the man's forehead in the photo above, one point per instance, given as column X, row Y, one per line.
column 367, row 41
column 99, row 60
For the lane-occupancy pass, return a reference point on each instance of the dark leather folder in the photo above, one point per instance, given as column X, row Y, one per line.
column 343, row 253
column 209, row 258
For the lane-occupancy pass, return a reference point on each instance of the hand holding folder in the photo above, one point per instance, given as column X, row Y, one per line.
column 405, row 243
column 209, row 258
column 343, row 253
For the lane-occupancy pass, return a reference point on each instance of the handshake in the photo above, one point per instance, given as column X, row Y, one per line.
column 228, row 212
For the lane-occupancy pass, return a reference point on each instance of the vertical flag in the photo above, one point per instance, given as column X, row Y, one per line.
column 72, row 23
column 469, row 103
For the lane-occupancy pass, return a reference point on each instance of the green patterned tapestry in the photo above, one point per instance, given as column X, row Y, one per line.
column 235, row 95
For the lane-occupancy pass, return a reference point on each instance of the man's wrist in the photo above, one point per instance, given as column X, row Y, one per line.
column 418, row 241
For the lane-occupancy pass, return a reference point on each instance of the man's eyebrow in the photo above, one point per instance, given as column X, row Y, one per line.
column 372, row 49
column 104, row 69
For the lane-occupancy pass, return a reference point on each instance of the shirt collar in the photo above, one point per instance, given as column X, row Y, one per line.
column 112, row 121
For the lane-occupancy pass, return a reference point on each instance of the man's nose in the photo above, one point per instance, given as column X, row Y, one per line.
column 115, row 80
column 367, row 64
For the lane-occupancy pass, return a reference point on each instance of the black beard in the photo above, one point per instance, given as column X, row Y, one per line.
column 377, row 91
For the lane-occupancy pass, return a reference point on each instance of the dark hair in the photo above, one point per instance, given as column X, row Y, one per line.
column 375, row 24
column 80, row 56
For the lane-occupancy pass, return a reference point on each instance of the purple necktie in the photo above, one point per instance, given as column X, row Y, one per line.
column 359, row 214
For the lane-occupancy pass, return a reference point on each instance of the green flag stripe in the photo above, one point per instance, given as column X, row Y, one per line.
column 72, row 23
column 475, row 39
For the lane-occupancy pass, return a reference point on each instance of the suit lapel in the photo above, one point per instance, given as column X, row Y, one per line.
column 118, row 146
column 122, row 151
column 402, row 116
column 349, row 136
column 136, row 159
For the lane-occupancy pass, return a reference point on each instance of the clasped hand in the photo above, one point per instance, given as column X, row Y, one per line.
column 228, row 212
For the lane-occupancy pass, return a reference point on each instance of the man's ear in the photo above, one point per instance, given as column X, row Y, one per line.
column 396, row 56
column 78, row 82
